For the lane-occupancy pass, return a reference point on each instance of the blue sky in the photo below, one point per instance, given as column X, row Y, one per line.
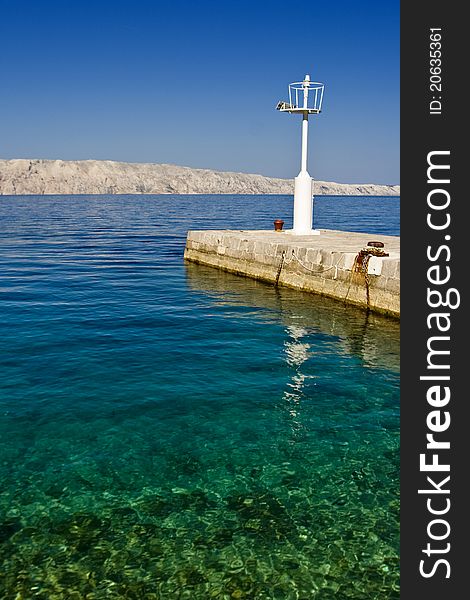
column 196, row 84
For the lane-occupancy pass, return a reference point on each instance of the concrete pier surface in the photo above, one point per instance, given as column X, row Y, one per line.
column 330, row 264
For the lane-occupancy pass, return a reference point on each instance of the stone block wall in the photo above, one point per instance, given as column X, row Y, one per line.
column 317, row 265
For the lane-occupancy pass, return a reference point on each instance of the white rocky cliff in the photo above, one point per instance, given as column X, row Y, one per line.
column 24, row 176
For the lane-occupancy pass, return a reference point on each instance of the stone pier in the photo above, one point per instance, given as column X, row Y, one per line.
column 325, row 264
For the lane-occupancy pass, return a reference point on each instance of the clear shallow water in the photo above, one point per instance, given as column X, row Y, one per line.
column 171, row 431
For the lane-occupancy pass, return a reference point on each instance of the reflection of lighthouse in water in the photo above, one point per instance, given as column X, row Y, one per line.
column 297, row 352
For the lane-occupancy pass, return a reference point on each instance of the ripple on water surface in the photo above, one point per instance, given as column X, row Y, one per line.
column 171, row 431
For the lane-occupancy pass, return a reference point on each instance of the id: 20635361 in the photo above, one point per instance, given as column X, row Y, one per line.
column 435, row 71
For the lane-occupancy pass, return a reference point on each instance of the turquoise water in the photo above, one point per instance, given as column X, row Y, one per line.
column 170, row 431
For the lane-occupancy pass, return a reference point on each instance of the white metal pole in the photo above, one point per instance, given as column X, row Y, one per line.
column 304, row 141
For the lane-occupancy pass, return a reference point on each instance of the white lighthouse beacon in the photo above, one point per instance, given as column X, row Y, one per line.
column 305, row 98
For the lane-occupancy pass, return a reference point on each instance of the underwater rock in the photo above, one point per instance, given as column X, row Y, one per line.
column 263, row 515
column 8, row 528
